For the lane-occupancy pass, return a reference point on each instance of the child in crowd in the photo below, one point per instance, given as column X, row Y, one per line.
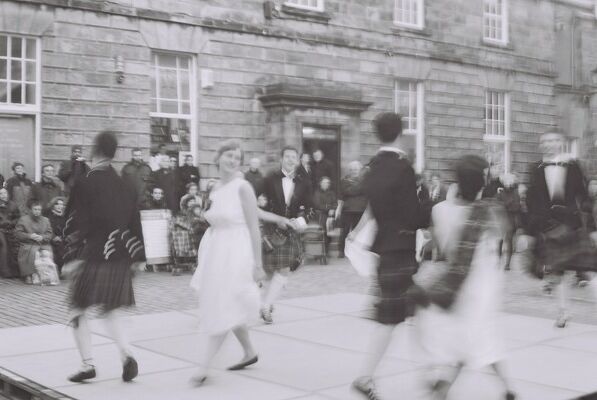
column 192, row 193
column 156, row 201
column 46, row 272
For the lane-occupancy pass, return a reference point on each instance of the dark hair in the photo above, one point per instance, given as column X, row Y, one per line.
column 134, row 149
column 185, row 203
column 227, row 145
column 16, row 164
column 187, row 156
column 289, row 148
column 35, row 202
column 470, row 177
column 388, row 126
column 105, row 144
column 46, row 166
column 76, row 147
column 156, row 187
column 188, row 185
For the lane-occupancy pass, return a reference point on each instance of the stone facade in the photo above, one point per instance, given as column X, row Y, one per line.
column 273, row 73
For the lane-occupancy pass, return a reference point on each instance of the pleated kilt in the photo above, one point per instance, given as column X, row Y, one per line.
column 286, row 255
column 395, row 284
column 577, row 254
column 108, row 284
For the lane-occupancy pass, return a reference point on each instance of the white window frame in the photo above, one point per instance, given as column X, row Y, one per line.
column 192, row 116
column 420, row 15
column 28, row 109
column 503, row 16
column 295, row 3
column 490, row 135
column 419, row 132
column 571, row 146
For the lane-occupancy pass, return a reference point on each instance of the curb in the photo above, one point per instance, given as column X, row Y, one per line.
column 14, row 386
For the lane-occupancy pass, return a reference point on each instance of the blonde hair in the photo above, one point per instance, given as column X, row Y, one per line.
column 227, row 145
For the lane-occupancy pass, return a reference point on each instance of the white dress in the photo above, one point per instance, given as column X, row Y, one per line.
column 467, row 332
column 228, row 295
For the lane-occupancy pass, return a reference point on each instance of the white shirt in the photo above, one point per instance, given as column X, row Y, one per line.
column 394, row 150
column 555, row 178
column 288, row 186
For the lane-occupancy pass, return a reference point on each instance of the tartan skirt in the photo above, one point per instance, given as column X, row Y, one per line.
column 395, row 284
column 577, row 254
column 108, row 284
column 286, row 255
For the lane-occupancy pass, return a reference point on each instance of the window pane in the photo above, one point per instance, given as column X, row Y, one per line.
column 16, row 47
column 153, row 86
column 165, row 60
column 15, row 71
column 184, row 85
column 3, row 46
column 186, row 108
column 2, row 69
column 30, row 93
column 31, row 53
column 15, row 93
column 3, row 97
column 170, row 107
column 30, row 71
column 168, row 88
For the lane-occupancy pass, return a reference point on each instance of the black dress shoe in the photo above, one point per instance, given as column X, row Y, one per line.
column 510, row 396
column 130, row 369
column 243, row 364
column 82, row 375
column 366, row 388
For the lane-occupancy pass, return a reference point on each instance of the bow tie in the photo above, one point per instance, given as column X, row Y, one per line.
column 554, row 164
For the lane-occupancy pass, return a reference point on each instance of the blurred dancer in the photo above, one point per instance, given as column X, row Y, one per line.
column 459, row 327
column 391, row 190
column 102, row 231
column 556, row 198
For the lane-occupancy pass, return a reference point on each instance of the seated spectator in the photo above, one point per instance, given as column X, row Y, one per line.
column 192, row 193
column 55, row 214
column 46, row 272
column 165, row 179
column 33, row 233
column 9, row 215
column 156, row 201
column 184, row 231
column 324, row 201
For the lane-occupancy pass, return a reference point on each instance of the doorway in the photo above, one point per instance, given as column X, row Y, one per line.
column 327, row 139
column 17, row 135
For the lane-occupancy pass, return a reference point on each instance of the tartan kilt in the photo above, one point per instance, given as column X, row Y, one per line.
column 286, row 255
column 579, row 254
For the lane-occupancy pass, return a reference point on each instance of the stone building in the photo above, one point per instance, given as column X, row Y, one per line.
column 481, row 76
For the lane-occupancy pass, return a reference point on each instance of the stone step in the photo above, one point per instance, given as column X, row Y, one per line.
column 16, row 387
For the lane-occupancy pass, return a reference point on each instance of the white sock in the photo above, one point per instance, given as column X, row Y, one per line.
column 275, row 289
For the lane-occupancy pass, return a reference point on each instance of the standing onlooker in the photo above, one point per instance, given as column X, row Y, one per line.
column 19, row 187
column 509, row 198
column 352, row 201
column 322, row 167
column 34, row 233
column 48, row 188
column 325, row 202
column 137, row 173
column 165, row 178
column 155, row 162
column 103, row 230
column 304, row 169
column 188, row 173
column 9, row 215
column 155, row 201
column 391, row 190
column 437, row 190
column 73, row 170
column 55, row 213
column 254, row 176
column 192, row 193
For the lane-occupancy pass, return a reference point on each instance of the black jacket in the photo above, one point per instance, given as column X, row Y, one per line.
column 541, row 213
column 138, row 176
column 71, row 172
column 185, row 175
column 391, row 189
column 255, row 178
column 272, row 188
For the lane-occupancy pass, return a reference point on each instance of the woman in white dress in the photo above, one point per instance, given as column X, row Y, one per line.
column 459, row 327
column 229, row 261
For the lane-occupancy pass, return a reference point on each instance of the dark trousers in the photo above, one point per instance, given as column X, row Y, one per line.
column 394, row 279
column 349, row 220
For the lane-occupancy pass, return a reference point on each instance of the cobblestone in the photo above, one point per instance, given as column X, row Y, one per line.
column 23, row 305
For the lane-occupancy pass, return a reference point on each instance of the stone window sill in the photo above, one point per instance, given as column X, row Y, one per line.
column 306, row 15
column 497, row 45
column 400, row 30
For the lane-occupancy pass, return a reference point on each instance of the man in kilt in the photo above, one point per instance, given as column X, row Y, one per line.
column 556, row 200
column 289, row 196
column 391, row 190
column 102, row 231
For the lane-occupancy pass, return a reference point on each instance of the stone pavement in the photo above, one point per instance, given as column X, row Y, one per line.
column 312, row 352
